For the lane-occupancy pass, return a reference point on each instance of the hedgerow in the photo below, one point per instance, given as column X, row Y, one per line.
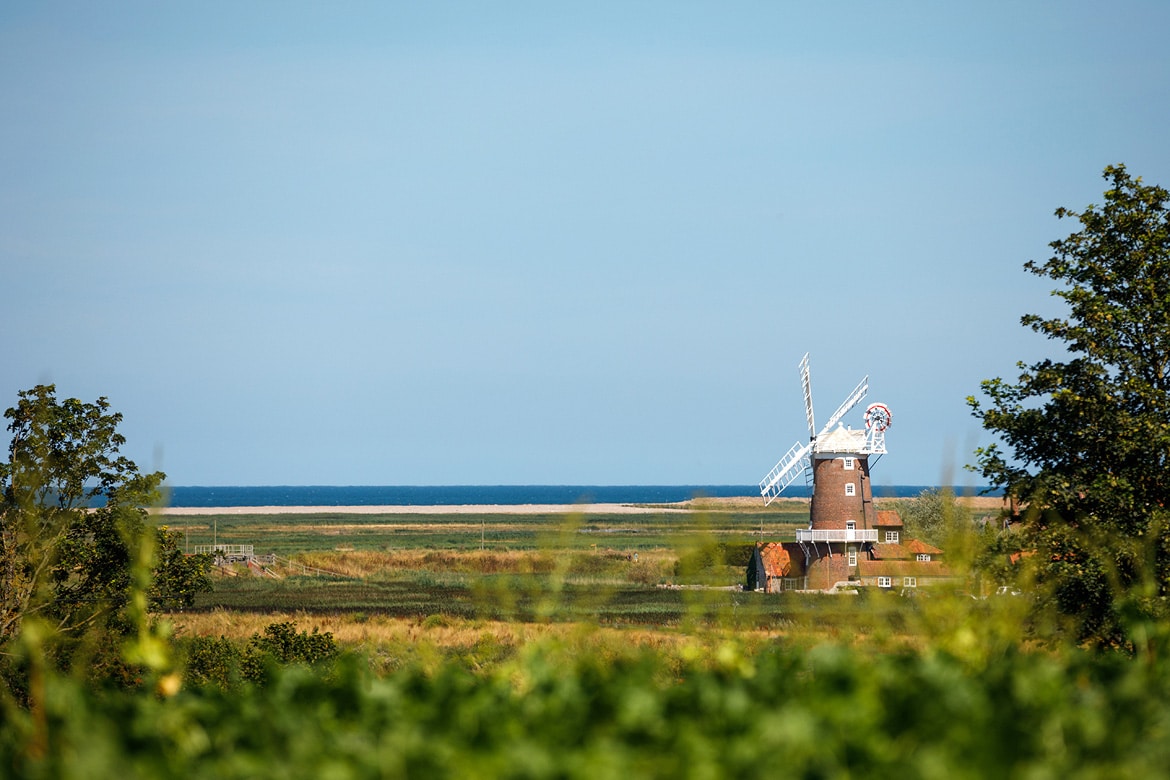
column 551, row 710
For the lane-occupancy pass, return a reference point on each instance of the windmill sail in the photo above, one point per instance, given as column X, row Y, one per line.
column 798, row 458
column 853, row 400
column 806, row 384
column 794, row 462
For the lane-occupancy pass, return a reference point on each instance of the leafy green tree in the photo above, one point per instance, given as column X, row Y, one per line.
column 72, row 517
column 935, row 516
column 1087, row 437
column 176, row 577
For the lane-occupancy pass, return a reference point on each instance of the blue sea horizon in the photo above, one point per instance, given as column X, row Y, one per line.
column 501, row 495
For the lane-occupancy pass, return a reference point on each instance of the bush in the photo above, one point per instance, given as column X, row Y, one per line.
column 222, row 663
column 712, row 555
column 213, row 662
column 554, row 711
column 282, row 642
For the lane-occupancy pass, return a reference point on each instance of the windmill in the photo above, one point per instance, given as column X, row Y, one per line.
column 799, row 458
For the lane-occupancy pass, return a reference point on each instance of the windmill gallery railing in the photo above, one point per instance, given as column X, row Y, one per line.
column 836, row 535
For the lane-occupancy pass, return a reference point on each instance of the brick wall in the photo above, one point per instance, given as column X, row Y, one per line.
column 824, row 572
column 830, row 507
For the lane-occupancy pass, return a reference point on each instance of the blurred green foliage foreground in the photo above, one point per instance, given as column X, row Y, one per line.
column 570, row 709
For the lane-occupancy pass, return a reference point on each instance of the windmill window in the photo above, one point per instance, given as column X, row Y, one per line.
column 891, row 537
column 852, row 558
column 850, row 489
column 924, row 556
column 849, row 464
column 883, row 582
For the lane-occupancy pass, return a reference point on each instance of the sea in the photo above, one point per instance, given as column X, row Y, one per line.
column 456, row 495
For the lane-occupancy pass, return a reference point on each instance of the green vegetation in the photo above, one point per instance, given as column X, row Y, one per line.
column 224, row 664
column 534, row 598
column 77, row 574
column 536, row 567
column 329, row 530
column 936, row 516
column 1088, row 436
column 564, row 709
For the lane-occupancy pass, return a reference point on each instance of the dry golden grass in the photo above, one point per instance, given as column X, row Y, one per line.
column 379, row 632
column 985, row 503
column 366, row 563
column 389, row 642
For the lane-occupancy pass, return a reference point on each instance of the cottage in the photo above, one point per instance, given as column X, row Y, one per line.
column 770, row 568
column 889, row 527
column 908, row 565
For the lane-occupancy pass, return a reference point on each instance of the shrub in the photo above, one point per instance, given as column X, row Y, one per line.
column 213, row 661
column 222, row 663
column 556, row 710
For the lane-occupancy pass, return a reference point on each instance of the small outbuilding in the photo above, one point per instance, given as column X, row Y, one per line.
column 770, row 568
column 910, row 564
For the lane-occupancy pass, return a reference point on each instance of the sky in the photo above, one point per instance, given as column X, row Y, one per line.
column 438, row 243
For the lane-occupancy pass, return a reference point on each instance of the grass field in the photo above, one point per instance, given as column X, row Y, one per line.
column 295, row 534
column 390, row 573
column 609, row 568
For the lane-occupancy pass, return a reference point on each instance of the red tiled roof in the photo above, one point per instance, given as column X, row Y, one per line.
column 777, row 562
column 915, row 546
column 888, row 517
column 891, row 552
column 902, row 552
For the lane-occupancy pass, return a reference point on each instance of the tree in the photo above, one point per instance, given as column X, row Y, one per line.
column 72, row 518
column 176, row 577
column 1087, row 436
column 935, row 516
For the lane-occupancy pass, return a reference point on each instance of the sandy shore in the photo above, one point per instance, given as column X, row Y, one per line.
column 983, row 503
column 462, row 509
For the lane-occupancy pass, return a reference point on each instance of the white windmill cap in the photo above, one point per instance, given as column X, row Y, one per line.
column 841, row 439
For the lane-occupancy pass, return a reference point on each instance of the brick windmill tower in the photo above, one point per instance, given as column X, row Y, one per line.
column 843, row 524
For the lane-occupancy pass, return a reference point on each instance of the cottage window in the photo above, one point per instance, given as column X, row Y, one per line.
column 923, row 556
column 850, row 525
column 883, row 582
column 848, row 464
column 891, row 537
column 850, row 489
column 852, row 556
column 910, row 582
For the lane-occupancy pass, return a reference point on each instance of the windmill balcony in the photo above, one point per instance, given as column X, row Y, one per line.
column 836, row 535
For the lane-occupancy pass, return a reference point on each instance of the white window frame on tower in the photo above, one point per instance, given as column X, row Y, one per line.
column 850, row 489
column 851, row 556
column 848, row 464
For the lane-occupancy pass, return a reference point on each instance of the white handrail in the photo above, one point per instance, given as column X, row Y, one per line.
column 836, row 535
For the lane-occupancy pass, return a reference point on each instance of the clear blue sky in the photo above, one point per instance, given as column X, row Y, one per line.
column 588, row 243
